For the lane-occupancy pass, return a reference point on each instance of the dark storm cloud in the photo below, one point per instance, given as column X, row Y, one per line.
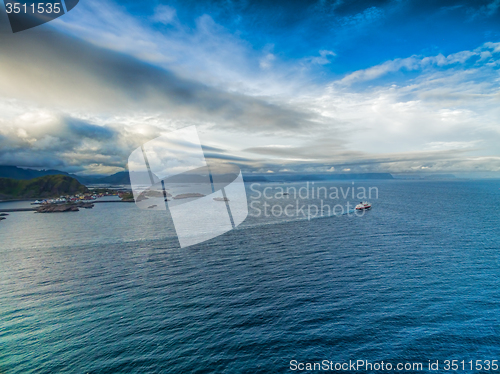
column 212, row 149
column 60, row 142
column 218, row 156
column 48, row 67
column 321, row 159
column 87, row 130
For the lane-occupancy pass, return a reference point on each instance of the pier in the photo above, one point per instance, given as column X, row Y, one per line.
column 17, row 210
column 12, row 210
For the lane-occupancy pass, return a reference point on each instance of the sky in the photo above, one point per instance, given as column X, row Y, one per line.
column 272, row 86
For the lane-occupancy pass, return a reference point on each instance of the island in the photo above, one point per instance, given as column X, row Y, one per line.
column 57, row 193
column 188, row 195
column 49, row 186
column 128, row 196
column 60, row 208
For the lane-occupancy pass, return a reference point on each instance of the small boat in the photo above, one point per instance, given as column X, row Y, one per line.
column 364, row 205
column 221, row 199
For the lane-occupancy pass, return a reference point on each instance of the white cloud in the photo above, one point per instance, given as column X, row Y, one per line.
column 368, row 16
column 484, row 52
column 208, row 53
column 451, row 145
column 247, row 102
column 494, row 46
column 165, row 14
column 267, row 61
column 324, row 58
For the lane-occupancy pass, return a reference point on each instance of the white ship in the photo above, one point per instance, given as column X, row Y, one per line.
column 363, row 206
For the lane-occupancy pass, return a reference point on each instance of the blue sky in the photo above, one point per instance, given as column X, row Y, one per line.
column 341, row 86
column 361, row 33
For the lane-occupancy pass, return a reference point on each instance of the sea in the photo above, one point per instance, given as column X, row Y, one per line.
column 415, row 280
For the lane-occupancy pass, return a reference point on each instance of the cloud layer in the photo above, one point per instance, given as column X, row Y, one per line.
column 80, row 94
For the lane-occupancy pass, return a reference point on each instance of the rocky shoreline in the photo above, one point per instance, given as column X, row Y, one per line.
column 61, row 208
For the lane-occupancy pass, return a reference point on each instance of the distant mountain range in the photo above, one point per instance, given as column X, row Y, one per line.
column 423, row 176
column 315, row 177
column 122, row 177
column 15, row 172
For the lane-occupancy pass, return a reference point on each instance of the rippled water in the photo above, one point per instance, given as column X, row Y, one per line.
column 108, row 290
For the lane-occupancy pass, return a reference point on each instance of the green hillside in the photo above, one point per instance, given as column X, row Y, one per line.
column 42, row 187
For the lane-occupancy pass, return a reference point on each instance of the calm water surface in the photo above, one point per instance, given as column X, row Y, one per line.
column 108, row 290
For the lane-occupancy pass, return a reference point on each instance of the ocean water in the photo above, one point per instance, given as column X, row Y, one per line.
column 109, row 290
